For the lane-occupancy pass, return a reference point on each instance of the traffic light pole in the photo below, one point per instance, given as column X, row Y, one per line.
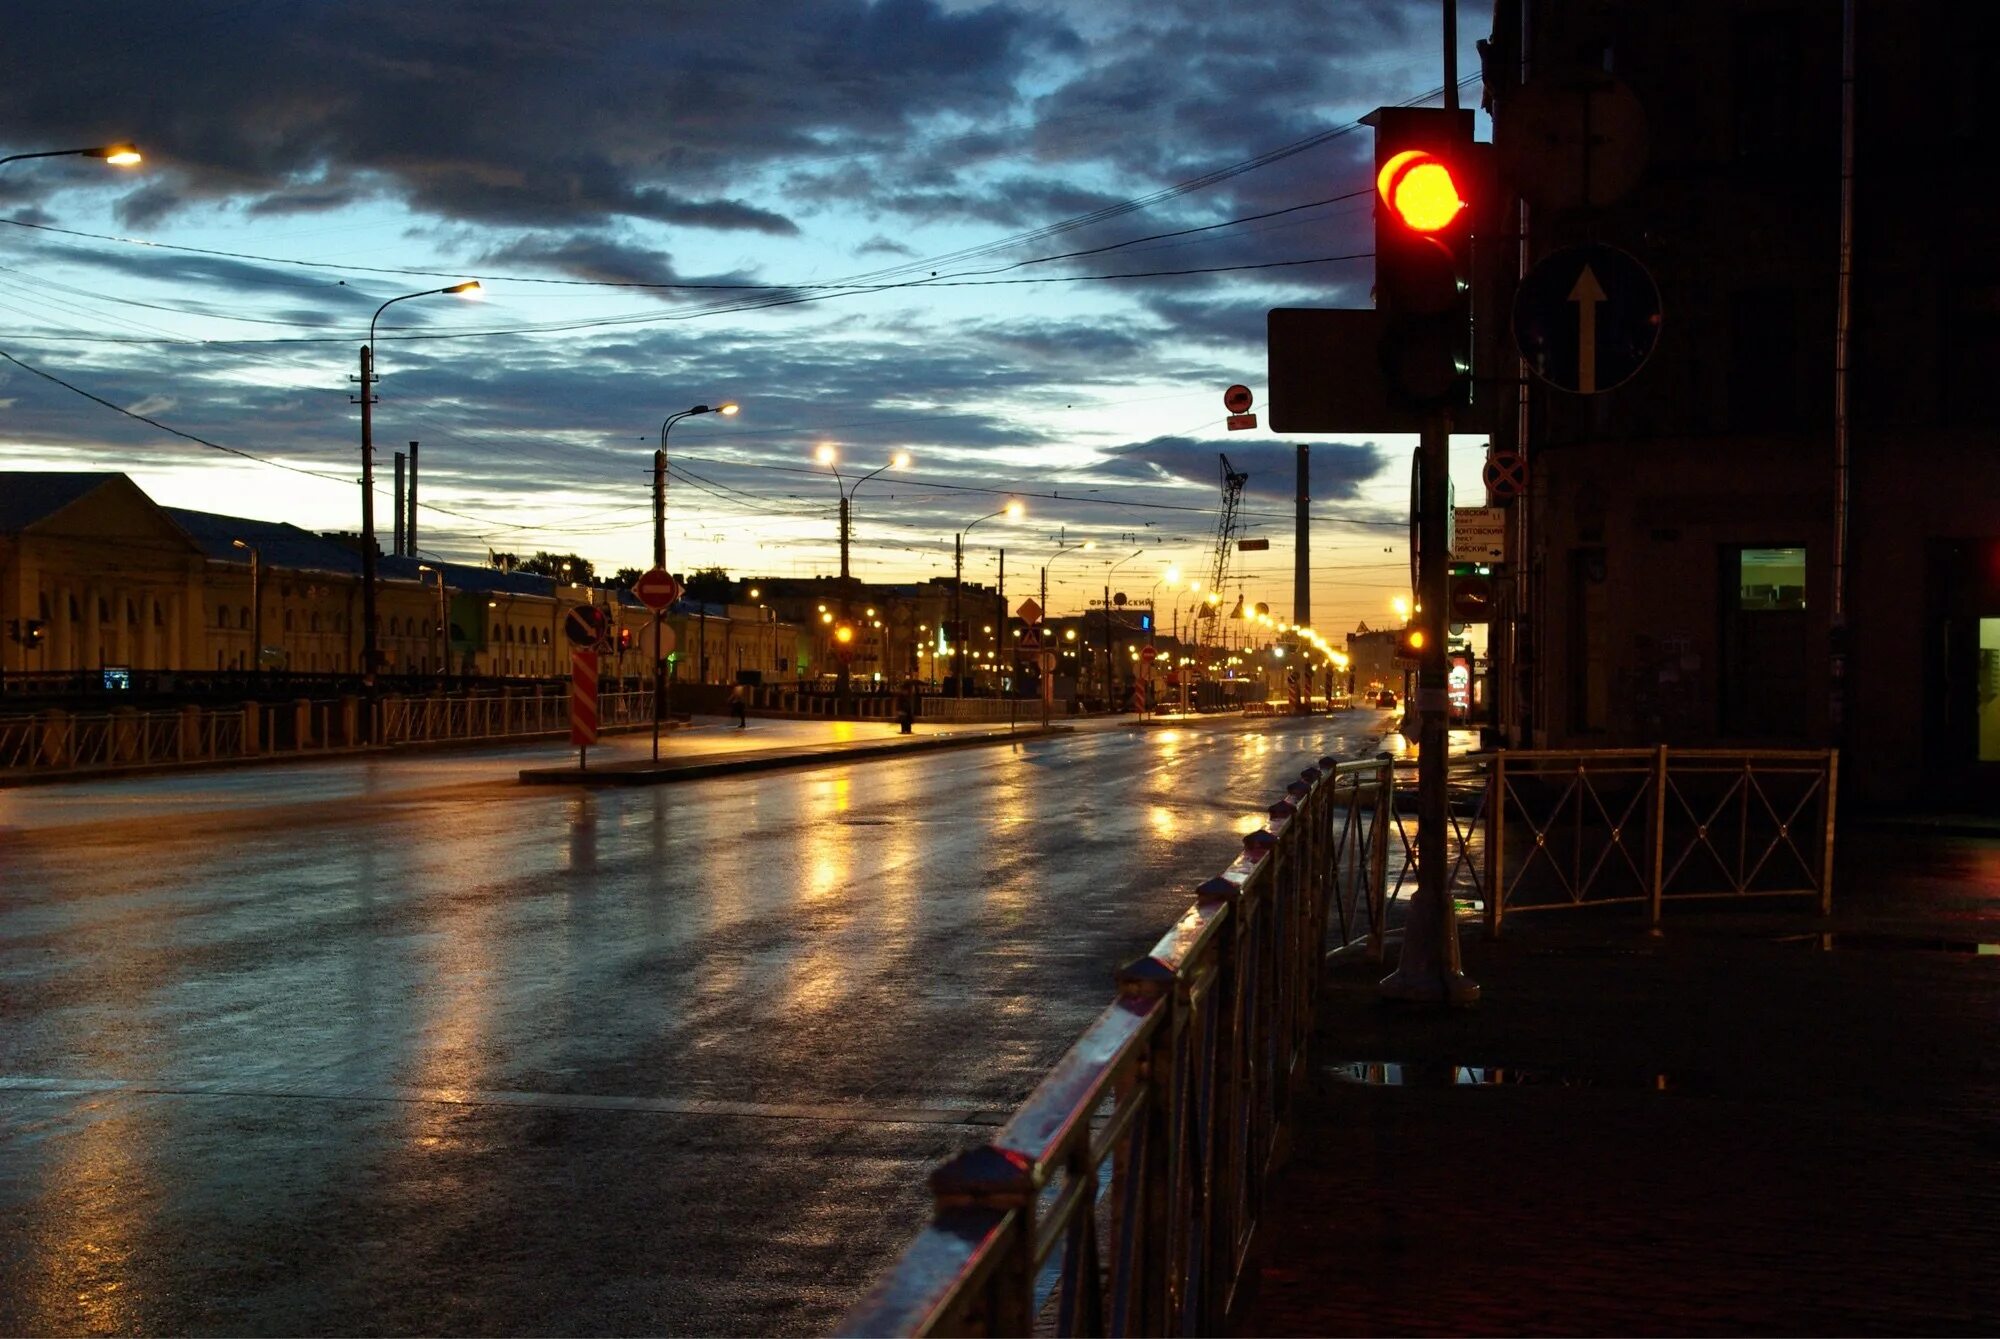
column 1428, row 968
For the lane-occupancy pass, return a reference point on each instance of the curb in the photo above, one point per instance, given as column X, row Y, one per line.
column 649, row 774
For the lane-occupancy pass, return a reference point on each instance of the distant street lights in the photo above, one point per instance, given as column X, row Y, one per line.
column 1107, row 620
column 444, row 644
column 662, row 695
column 369, row 654
column 256, row 606
column 1012, row 511
column 118, row 155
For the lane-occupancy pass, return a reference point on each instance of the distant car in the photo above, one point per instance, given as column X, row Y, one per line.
column 1387, row 699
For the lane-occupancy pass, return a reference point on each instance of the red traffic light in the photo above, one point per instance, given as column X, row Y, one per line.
column 1420, row 190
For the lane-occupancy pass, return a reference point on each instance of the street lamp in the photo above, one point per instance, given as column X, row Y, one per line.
column 256, row 606
column 661, row 691
column 1013, row 512
column 1045, row 665
column 368, row 646
column 828, row 456
column 118, row 155
column 1107, row 620
column 444, row 646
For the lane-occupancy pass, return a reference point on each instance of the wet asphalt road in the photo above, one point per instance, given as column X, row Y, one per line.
column 364, row 1050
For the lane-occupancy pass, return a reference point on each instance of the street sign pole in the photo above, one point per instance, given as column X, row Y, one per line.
column 659, row 684
column 1429, row 966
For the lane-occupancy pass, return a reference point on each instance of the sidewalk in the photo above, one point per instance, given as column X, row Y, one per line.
column 1741, row 1127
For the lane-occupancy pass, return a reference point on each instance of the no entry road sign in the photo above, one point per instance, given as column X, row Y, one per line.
column 1587, row 318
column 657, row 590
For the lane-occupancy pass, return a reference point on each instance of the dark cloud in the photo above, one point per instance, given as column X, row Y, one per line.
column 517, row 112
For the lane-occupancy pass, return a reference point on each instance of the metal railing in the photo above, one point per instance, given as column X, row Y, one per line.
column 1121, row 1198
column 54, row 742
column 1602, row 826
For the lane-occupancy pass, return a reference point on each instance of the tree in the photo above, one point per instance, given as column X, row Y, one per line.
column 627, row 575
column 710, row 585
column 562, row 566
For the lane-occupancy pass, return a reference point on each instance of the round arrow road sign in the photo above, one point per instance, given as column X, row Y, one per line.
column 1587, row 318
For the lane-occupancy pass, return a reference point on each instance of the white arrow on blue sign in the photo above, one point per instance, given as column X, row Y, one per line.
column 1587, row 318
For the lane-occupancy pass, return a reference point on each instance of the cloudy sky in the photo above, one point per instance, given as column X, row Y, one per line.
column 1029, row 242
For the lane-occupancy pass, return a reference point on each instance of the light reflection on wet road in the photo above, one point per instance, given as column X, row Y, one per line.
column 441, row 1053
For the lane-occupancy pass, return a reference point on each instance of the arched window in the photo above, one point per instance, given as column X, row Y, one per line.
column 74, row 616
column 315, row 622
column 243, row 617
column 103, row 610
column 131, row 614
column 222, row 619
column 288, row 620
column 159, row 614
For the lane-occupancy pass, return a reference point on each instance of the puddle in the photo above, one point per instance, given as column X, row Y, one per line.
column 1374, row 1074
column 1882, row 939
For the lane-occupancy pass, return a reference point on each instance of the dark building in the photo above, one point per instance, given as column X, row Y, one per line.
column 1756, row 540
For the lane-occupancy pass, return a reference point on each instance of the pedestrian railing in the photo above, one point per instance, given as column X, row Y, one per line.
column 1122, row 1196
column 1601, row 826
column 53, row 742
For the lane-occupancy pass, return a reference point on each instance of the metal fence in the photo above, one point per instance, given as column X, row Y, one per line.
column 1601, row 826
column 1122, row 1196
column 56, row 742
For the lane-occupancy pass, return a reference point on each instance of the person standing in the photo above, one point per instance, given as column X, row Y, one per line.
column 739, row 706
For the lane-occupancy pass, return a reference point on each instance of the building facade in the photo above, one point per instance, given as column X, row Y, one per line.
column 1782, row 530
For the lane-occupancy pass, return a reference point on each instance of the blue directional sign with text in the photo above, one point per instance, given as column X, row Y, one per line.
column 1587, row 318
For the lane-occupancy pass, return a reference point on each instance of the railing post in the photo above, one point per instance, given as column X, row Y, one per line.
column 1496, row 844
column 1380, row 829
column 1832, row 783
column 1657, row 893
column 1149, row 1290
column 187, row 742
column 988, row 1178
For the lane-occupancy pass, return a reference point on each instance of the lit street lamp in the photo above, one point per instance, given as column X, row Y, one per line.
column 256, row 606
column 118, row 155
column 661, row 692
column 444, row 645
column 369, row 655
column 1012, row 511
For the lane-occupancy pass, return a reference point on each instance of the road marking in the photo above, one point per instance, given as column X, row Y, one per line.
column 945, row 1113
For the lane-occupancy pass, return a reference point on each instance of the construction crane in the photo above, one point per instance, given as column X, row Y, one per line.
column 1225, row 539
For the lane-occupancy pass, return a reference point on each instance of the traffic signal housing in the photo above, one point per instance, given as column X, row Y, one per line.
column 1412, row 641
column 624, row 639
column 1429, row 184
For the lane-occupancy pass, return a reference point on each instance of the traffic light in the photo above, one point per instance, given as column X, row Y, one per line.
column 843, row 642
column 1411, row 641
column 624, row 639
column 1427, row 182
column 32, row 633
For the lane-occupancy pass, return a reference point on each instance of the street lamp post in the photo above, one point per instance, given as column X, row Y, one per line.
column 1012, row 511
column 662, row 693
column 444, row 645
column 118, row 155
column 256, row 606
column 1107, row 621
column 830, row 458
column 368, row 644
column 1046, row 663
